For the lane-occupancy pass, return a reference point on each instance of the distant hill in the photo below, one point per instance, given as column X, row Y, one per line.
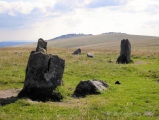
column 107, row 41
column 104, row 41
column 11, row 43
column 70, row 36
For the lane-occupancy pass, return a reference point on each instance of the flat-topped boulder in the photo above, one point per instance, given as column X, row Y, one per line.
column 89, row 87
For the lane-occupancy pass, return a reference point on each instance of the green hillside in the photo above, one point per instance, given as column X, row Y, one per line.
column 136, row 98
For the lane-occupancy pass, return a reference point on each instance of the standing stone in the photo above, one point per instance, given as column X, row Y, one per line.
column 125, row 52
column 41, row 46
column 77, row 52
column 89, row 87
column 43, row 74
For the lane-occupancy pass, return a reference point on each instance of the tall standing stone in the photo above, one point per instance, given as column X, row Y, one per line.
column 125, row 52
column 43, row 74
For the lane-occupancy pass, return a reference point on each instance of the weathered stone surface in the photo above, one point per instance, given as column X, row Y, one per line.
column 90, row 87
column 77, row 52
column 41, row 46
column 90, row 55
column 125, row 52
column 43, row 74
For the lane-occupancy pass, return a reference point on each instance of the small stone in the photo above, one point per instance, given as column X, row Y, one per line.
column 117, row 82
column 90, row 55
column 77, row 52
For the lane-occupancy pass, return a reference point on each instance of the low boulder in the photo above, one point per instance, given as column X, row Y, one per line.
column 89, row 87
column 90, row 55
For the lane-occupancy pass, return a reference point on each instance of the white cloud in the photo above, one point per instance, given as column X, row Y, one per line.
column 25, row 7
column 142, row 5
column 49, row 19
column 12, row 8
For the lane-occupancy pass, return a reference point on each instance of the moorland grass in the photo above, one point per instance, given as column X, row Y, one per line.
column 135, row 98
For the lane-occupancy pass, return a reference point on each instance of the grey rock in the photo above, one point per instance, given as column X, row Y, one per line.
column 77, row 52
column 90, row 87
column 90, row 55
column 41, row 46
column 44, row 73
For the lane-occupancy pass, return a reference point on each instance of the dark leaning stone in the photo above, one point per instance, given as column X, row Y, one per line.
column 77, row 52
column 89, row 87
column 125, row 52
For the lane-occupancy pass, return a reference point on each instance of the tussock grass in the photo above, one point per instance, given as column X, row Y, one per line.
column 135, row 98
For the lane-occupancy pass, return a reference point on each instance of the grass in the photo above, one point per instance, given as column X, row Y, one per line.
column 135, row 98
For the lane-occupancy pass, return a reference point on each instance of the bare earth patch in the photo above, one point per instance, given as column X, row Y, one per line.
column 140, row 62
column 9, row 93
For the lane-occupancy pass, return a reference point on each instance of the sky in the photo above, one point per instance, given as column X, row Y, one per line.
column 29, row 20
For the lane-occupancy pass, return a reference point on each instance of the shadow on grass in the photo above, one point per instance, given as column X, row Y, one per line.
column 9, row 100
column 56, row 97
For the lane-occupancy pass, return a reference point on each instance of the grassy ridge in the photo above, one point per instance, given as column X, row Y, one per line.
column 107, row 41
column 104, row 41
column 135, row 98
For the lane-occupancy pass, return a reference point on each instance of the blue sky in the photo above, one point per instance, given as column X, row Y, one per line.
column 34, row 19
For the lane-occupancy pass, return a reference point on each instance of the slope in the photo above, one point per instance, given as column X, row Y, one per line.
column 104, row 41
